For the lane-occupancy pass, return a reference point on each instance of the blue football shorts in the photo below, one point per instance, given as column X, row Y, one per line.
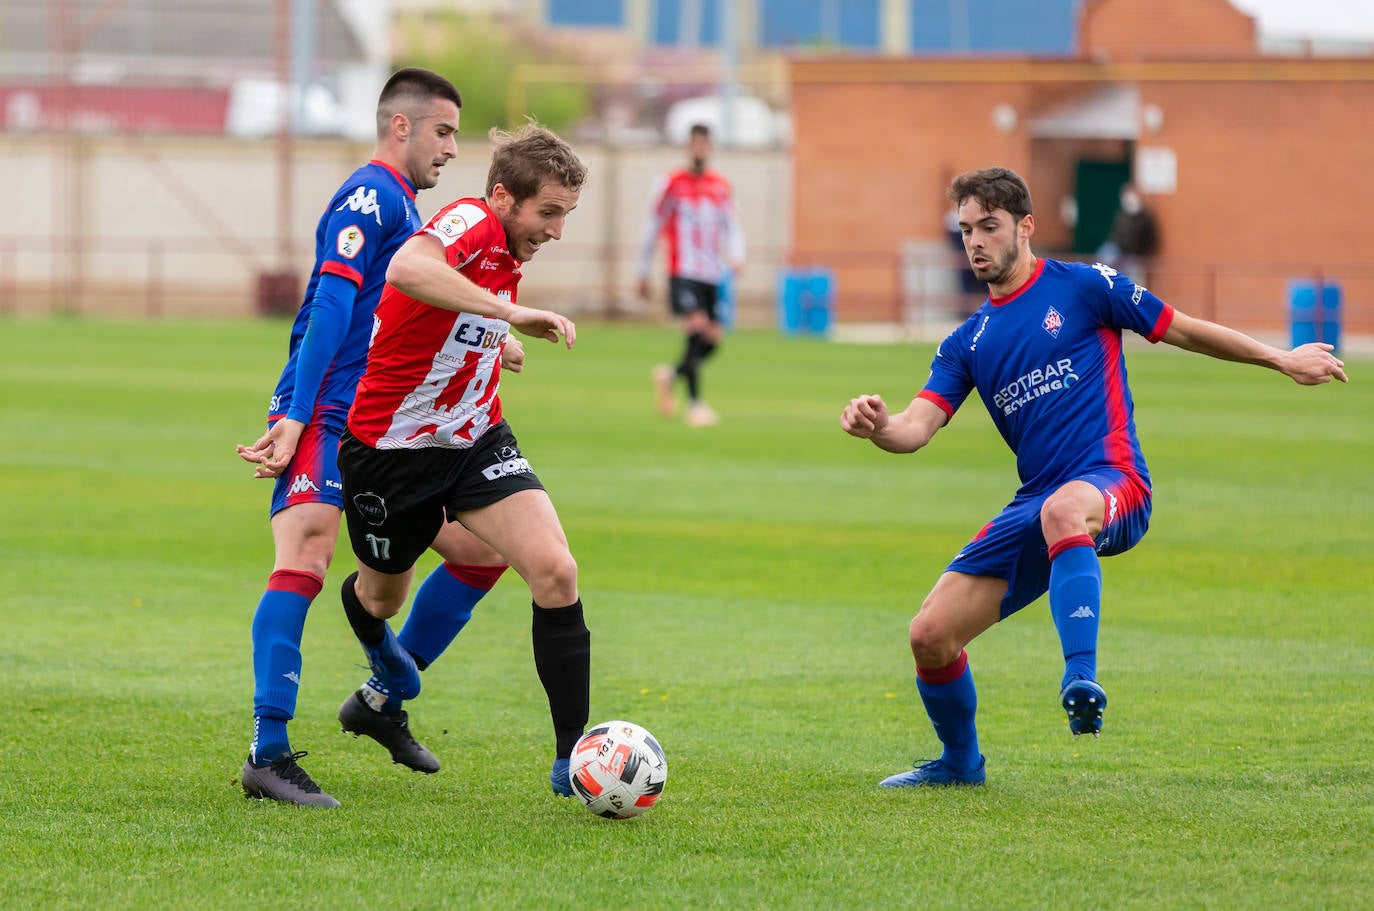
column 1012, row 546
column 313, row 475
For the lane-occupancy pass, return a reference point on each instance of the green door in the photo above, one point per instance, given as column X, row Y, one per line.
column 1097, row 190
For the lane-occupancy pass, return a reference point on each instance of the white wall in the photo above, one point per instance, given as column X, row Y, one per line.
column 185, row 226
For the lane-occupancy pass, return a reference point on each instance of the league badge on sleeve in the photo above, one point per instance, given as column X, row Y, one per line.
column 452, row 225
column 351, row 240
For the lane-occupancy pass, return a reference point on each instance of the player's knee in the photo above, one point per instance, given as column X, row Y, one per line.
column 1061, row 516
column 311, row 554
column 554, row 584
column 931, row 645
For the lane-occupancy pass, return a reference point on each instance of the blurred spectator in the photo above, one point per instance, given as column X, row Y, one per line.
column 1134, row 238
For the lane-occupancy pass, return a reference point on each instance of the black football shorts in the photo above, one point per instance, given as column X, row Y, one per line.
column 396, row 500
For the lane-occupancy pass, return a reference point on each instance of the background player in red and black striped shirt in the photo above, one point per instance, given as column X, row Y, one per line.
column 694, row 211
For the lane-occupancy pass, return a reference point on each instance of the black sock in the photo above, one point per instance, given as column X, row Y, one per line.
column 370, row 630
column 563, row 658
column 690, row 368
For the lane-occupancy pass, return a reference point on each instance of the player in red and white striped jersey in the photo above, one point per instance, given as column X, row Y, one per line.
column 427, row 442
column 694, row 210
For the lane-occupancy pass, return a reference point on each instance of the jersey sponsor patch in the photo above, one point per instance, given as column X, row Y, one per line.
column 351, row 240
column 454, row 224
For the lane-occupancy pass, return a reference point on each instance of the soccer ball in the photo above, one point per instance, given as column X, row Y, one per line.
column 618, row 769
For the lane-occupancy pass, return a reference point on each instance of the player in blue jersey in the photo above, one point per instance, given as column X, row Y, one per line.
column 369, row 217
column 1044, row 354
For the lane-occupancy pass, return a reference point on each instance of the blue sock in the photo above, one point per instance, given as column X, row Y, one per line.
column 278, row 625
column 1076, row 604
column 269, row 738
column 952, row 702
column 443, row 606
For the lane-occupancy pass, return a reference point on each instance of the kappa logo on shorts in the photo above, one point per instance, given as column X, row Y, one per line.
column 511, row 463
column 371, row 507
column 302, row 484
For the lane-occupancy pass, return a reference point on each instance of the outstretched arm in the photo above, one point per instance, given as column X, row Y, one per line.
column 867, row 417
column 1307, row 365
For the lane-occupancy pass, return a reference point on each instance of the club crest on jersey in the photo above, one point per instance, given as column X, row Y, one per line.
column 351, row 240
column 364, row 202
column 1053, row 322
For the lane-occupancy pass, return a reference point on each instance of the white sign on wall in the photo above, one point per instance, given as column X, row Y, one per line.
column 1156, row 169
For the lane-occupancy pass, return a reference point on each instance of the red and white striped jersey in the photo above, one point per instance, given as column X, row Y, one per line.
column 696, row 214
column 432, row 374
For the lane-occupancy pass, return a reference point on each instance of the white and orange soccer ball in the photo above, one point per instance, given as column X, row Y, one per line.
column 618, row 770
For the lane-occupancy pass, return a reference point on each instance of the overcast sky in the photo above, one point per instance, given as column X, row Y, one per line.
column 1339, row 19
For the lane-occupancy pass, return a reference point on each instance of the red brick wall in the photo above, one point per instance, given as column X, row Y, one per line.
column 871, row 166
column 1274, row 159
column 1165, row 29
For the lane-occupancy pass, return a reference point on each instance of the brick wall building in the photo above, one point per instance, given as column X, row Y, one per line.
column 1258, row 167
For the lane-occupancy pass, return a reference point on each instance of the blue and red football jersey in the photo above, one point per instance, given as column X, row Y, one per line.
column 1048, row 364
column 369, row 217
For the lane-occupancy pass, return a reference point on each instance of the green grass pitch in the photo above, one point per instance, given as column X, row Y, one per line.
column 748, row 588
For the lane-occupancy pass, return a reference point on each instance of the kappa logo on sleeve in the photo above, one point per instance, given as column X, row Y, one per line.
column 1107, row 272
column 364, row 202
column 351, row 240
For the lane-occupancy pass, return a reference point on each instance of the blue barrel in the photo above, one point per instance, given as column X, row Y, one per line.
column 1302, row 311
column 725, row 301
column 1329, row 315
column 1314, row 312
column 806, row 301
column 819, row 303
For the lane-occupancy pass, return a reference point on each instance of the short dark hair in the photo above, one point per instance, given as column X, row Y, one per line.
column 408, row 88
column 994, row 188
column 699, row 129
column 523, row 161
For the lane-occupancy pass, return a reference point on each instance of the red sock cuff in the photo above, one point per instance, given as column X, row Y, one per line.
column 1063, row 544
column 482, row 577
column 296, row 581
column 952, row 671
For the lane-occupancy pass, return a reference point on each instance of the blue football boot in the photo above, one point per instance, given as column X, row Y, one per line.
column 936, row 773
column 1084, row 700
column 559, row 780
column 393, row 666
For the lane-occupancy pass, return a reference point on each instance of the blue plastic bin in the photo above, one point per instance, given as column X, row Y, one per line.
column 725, row 301
column 1314, row 312
column 806, row 301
